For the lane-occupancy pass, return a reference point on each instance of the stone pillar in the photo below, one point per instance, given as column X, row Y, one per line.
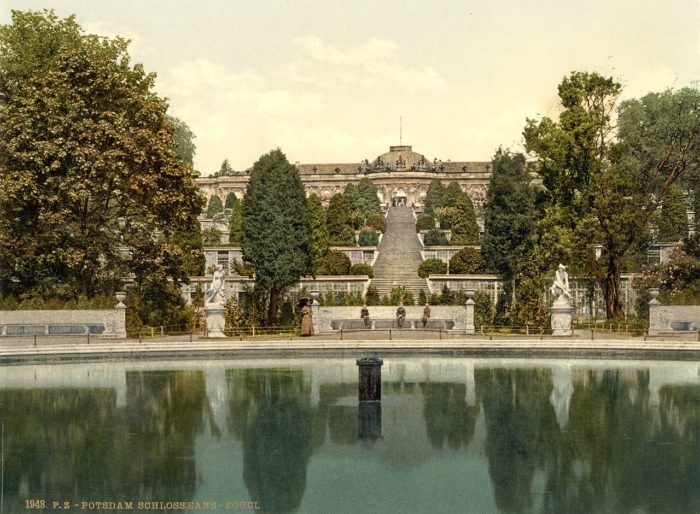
column 120, row 312
column 655, row 322
column 370, row 379
column 470, row 329
column 215, row 314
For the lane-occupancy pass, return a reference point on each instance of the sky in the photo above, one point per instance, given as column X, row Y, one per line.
column 332, row 82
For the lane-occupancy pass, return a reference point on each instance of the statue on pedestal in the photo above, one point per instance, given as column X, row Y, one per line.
column 215, row 294
column 562, row 310
column 214, row 301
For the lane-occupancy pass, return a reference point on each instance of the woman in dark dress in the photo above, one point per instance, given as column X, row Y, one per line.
column 307, row 324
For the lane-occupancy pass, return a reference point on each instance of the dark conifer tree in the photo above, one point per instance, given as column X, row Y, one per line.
column 275, row 227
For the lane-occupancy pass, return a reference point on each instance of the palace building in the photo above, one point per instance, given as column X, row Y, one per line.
column 401, row 176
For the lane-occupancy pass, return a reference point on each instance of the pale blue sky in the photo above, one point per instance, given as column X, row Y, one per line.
column 326, row 81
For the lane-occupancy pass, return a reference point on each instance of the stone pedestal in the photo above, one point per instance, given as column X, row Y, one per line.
column 215, row 319
column 120, row 310
column 469, row 325
column 562, row 314
column 655, row 318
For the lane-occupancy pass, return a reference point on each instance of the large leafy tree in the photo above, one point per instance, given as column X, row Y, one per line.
column 318, row 245
column 275, row 227
column 604, row 192
column 673, row 217
column 92, row 184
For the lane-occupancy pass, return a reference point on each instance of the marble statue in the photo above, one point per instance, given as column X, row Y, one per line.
column 215, row 294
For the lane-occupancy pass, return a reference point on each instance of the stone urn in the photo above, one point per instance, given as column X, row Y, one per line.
column 121, row 296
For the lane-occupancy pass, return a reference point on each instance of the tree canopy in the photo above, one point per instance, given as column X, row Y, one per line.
column 275, row 227
column 93, row 186
column 340, row 221
column 601, row 187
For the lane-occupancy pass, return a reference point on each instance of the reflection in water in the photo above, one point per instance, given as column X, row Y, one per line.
column 369, row 421
column 447, row 415
column 75, row 443
column 521, row 430
column 271, row 412
column 548, row 439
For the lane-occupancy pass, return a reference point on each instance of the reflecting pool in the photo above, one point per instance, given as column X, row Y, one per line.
column 450, row 435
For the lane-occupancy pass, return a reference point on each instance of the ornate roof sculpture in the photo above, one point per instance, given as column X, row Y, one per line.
column 399, row 158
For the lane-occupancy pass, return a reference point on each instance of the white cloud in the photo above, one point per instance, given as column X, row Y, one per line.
column 373, row 63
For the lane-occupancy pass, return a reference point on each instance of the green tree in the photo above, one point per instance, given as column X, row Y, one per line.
column 362, row 268
column 466, row 261
column 215, row 206
column 318, row 245
column 605, row 193
column 368, row 238
column 435, row 237
column 368, row 201
column 235, row 222
column 510, row 218
column 211, row 236
column 672, row 218
column 453, row 192
column 275, row 227
column 430, row 267
column 183, row 139
column 434, row 196
column 377, row 222
column 425, row 222
column 465, row 229
column 334, row 263
column 93, row 187
column 339, row 220
column 225, row 170
column 372, row 296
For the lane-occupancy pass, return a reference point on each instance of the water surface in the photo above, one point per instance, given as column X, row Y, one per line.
column 450, row 435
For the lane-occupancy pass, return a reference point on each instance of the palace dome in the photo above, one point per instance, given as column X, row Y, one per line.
column 402, row 157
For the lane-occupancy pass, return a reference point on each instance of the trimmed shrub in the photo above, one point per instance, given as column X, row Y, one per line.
column 435, row 238
column 368, row 238
column 466, row 261
column 372, row 296
column 362, row 268
column 335, row 263
column 425, row 222
column 377, row 222
column 484, row 310
column 398, row 294
column 422, row 299
column 211, row 236
column 431, row 267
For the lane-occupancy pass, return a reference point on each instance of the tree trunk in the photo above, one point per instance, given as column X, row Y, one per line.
column 613, row 289
column 274, row 302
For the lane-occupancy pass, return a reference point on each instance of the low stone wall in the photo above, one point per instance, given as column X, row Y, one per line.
column 452, row 317
column 673, row 318
column 99, row 322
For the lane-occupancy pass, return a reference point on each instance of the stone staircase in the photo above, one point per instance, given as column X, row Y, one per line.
column 399, row 255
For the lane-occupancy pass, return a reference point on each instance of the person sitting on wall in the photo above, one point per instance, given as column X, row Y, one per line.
column 426, row 315
column 364, row 314
column 400, row 315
